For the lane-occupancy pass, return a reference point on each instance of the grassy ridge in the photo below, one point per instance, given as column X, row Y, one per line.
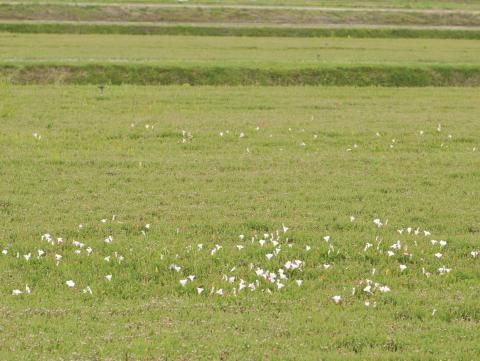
column 394, row 76
column 57, row 12
column 407, row 4
column 65, row 28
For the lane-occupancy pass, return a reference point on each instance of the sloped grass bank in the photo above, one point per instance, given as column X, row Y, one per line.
column 251, row 31
column 389, row 76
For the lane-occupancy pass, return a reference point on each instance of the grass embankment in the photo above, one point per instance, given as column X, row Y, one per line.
column 389, row 76
column 122, row 154
column 58, row 12
column 257, row 31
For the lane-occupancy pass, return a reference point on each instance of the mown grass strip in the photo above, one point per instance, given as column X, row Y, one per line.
column 389, row 76
column 250, row 31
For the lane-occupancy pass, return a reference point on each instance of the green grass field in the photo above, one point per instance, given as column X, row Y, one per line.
column 309, row 158
column 275, row 53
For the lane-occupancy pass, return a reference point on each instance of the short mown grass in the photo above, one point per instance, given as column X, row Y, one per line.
column 121, row 153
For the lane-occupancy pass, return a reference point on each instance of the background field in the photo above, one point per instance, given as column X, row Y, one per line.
column 275, row 53
column 91, row 164
column 408, row 4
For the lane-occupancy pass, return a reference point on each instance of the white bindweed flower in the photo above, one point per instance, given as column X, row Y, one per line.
column 299, row 282
column 384, row 289
column 403, row 267
column 183, row 282
column 16, row 292
column 337, row 299
column 474, row 254
column 70, row 283
column 438, row 255
column 199, row 290
column 240, row 247
column 87, row 290
column 108, row 277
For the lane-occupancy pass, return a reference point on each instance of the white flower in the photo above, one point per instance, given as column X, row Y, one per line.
column 16, row 292
column 108, row 277
column 40, row 252
column 70, row 283
column 27, row 289
column 337, row 299
column 378, row 222
column 285, row 228
column 299, row 282
column 474, row 254
column 442, row 243
column 444, row 270
column 326, row 238
column 27, row 256
column 87, row 290
column 240, row 247
column 191, row 277
column 183, row 282
column 352, row 218
column 403, row 267
column 89, row 250
column 219, row 292
column 384, row 289
column 390, row 253
column 199, row 290
column 5, row 251
column 438, row 255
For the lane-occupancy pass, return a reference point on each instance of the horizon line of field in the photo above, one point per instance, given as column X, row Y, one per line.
column 121, row 28
column 377, row 75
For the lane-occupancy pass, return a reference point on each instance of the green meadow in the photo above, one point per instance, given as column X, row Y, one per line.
column 204, row 165
column 240, row 182
column 273, row 53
